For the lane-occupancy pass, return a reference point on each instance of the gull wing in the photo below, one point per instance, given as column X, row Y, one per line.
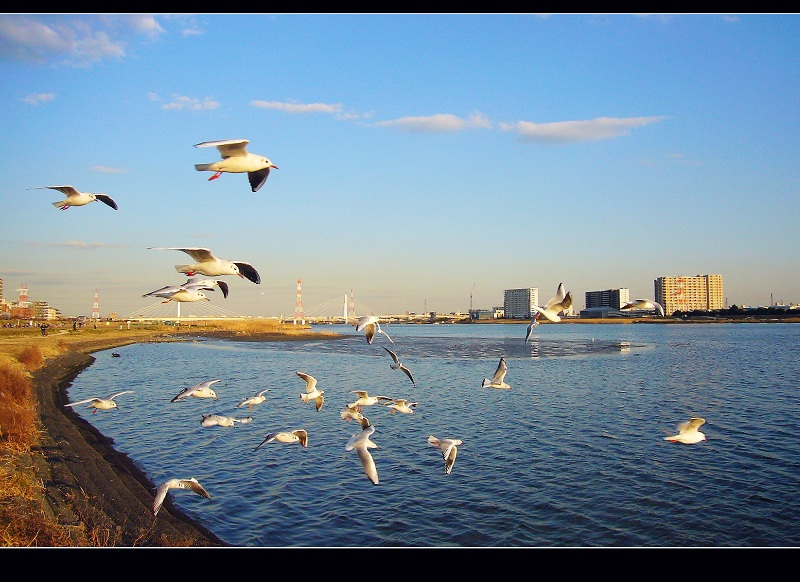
column 449, row 455
column 368, row 463
column 258, row 179
column 120, row 394
column 561, row 293
column 248, row 271
column 227, row 147
column 391, row 353
column 500, row 373
column 201, row 255
column 66, row 190
column 106, row 199
column 311, row 382
column 95, row 399
column 692, row 425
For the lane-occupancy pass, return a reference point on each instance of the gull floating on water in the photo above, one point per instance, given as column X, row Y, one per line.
column 402, row 405
column 211, row 266
column 220, row 420
column 77, row 198
column 312, row 392
column 178, row 293
column 398, row 365
column 364, row 399
column 370, row 325
column 201, row 390
column 237, row 160
column 191, row 484
column 361, row 443
column 688, row 433
column 498, row 380
column 256, row 398
column 561, row 301
column 296, row 436
column 101, row 403
column 449, row 449
column 643, row 304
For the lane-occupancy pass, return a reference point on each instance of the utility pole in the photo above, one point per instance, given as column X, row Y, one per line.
column 470, row 301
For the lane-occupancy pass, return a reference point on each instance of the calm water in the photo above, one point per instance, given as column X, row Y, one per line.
column 572, row 455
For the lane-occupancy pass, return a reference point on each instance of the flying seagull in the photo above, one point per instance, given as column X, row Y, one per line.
column 211, row 266
column 498, row 380
column 201, row 390
column 561, row 301
column 312, row 393
column 398, row 365
column 77, row 198
column 191, row 484
column 361, row 443
column 237, row 160
column 101, row 403
column 296, row 436
column 688, row 433
column 256, row 398
column 178, row 293
column 370, row 325
column 643, row 304
column 449, row 449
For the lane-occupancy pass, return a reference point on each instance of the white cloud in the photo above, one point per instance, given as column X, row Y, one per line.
column 36, row 98
column 298, row 108
column 441, row 122
column 180, row 102
column 577, row 131
column 107, row 170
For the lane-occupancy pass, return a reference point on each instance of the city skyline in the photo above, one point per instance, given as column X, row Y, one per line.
column 426, row 162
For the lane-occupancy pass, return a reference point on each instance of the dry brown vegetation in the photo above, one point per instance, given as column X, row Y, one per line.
column 25, row 517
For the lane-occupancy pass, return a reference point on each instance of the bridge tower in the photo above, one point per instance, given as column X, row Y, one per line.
column 351, row 308
column 95, row 307
column 298, row 307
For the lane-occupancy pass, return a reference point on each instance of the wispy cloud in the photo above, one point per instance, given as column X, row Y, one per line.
column 107, row 170
column 439, row 123
column 77, row 40
column 577, row 131
column 82, row 246
column 298, row 108
column 681, row 159
column 180, row 102
column 36, row 98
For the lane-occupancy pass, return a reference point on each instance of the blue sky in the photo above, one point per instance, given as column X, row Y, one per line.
column 423, row 158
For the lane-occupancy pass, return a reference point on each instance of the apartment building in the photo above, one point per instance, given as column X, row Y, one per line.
column 615, row 298
column 519, row 303
column 703, row 292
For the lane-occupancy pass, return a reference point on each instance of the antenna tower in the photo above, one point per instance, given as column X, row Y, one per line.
column 298, row 306
column 96, row 307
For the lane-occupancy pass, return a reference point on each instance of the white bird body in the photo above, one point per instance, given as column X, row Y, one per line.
column 364, row 399
column 498, row 380
column 220, row 420
column 191, row 484
column 179, row 294
column 561, row 301
column 399, row 366
column 688, row 433
column 201, row 390
column 237, row 160
column 370, row 325
column 101, row 403
column 312, row 393
column 402, row 405
column 76, row 198
column 256, row 398
column 449, row 449
column 643, row 304
column 362, row 443
column 212, row 266
column 352, row 412
column 295, row 436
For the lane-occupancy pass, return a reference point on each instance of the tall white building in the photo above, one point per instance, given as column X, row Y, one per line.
column 702, row 292
column 519, row 303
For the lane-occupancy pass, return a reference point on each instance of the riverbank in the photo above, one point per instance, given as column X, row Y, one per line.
column 83, row 488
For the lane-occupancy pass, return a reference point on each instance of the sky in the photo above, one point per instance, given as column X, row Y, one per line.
column 426, row 162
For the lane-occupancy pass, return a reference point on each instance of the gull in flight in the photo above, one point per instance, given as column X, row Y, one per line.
column 534, row 322
column 370, row 325
column 296, row 436
column 191, row 484
column 364, row 399
column 399, row 366
column 77, row 198
column 561, row 301
column 219, row 420
column 688, row 433
column 449, row 449
column 237, row 160
column 207, row 285
column 201, row 390
column 361, row 443
column 178, row 293
column 353, row 412
column 498, row 380
column 402, row 405
column 312, row 392
column 101, row 403
column 209, row 265
column 256, row 398
column 643, row 304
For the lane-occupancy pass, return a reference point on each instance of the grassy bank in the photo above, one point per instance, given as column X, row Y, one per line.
column 26, row 519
